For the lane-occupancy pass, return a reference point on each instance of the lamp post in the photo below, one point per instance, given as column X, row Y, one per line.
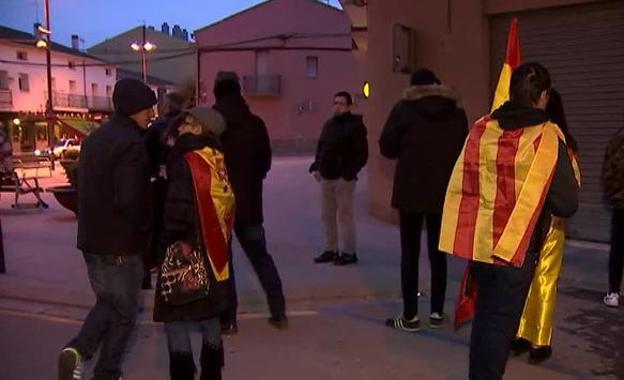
column 44, row 42
column 144, row 47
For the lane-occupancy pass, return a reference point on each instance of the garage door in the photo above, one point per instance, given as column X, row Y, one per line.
column 583, row 47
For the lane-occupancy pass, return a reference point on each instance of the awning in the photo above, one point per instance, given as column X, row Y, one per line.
column 84, row 127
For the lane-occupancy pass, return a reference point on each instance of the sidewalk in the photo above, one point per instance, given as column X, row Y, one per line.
column 336, row 313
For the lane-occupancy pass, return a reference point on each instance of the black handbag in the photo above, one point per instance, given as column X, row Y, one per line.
column 184, row 274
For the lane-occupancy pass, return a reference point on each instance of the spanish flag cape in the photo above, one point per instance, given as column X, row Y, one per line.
column 216, row 211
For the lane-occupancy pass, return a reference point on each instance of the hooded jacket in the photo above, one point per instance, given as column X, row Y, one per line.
column 425, row 133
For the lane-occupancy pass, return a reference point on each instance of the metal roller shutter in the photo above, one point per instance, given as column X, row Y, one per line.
column 583, row 47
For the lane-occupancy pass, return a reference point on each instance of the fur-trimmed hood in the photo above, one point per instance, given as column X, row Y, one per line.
column 433, row 101
column 437, row 90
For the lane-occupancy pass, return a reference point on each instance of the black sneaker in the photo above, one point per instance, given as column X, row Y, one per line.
column 401, row 323
column 519, row 346
column 539, row 354
column 436, row 320
column 326, row 257
column 280, row 323
column 69, row 364
column 346, row 259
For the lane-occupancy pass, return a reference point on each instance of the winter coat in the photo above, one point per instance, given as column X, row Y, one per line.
column 114, row 196
column 613, row 171
column 425, row 132
column 247, row 151
column 342, row 149
column 181, row 223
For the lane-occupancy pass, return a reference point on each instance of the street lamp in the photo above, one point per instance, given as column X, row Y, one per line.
column 144, row 47
column 44, row 42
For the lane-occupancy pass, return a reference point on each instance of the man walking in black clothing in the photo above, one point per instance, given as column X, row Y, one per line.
column 341, row 153
column 247, row 151
column 114, row 216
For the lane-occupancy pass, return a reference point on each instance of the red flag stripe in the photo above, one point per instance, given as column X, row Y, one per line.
column 505, row 180
column 469, row 204
column 513, row 56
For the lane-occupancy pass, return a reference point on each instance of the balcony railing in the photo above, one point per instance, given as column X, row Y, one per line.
column 270, row 85
column 6, row 99
column 63, row 100
column 100, row 103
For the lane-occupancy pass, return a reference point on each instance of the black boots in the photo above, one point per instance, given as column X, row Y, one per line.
column 211, row 362
column 181, row 366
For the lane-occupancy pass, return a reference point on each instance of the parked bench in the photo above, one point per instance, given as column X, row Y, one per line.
column 32, row 162
column 12, row 183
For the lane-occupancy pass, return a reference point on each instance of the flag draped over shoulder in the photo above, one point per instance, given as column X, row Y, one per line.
column 216, row 213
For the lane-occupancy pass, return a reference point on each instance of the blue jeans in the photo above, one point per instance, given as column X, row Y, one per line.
column 178, row 334
column 252, row 240
column 116, row 282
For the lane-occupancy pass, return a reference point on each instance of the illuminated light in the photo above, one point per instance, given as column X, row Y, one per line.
column 149, row 46
column 366, row 90
column 135, row 46
column 42, row 44
column 17, row 121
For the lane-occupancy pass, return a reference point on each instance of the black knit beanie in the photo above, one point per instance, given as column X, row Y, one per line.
column 422, row 77
column 131, row 96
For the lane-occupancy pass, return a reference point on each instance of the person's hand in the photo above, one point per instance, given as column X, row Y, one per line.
column 317, row 176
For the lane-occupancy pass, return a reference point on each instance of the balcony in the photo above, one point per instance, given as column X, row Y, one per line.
column 262, row 85
column 100, row 103
column 63, row 100
column 6, row 99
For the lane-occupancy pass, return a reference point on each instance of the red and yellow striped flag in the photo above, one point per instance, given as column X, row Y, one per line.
column 513, row 59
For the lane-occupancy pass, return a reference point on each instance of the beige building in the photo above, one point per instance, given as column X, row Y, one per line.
column 581, row 42
column 173, row 59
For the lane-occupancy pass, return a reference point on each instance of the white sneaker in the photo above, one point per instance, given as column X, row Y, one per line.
column 612, row 299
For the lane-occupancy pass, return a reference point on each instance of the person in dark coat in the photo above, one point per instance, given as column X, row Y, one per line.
column 199, row 132
column 341, row 153
column 114, row 214
column 425, row 133
column 247, row 152
column 159, row 140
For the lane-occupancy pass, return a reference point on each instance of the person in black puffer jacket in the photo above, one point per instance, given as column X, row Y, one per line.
column 341, row 153
column 425, row 133
column 183, row 219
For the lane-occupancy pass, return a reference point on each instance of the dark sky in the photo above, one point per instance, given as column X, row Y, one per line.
column 96, row 20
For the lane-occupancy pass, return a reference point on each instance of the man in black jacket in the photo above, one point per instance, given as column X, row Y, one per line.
column 341, row 153
column 425, row 133
column 114, row 216
column 247, row 152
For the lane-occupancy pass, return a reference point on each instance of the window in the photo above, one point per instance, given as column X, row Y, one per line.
column 71, row 65
column 109, row 91
column 72, row 86
column 4, row 80
column 108, row 71
column 22, row 56
column 404, row 50
column 94, row 89
column 311, row 69
column 22, row 83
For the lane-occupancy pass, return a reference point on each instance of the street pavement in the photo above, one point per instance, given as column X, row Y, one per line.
column 336, row 313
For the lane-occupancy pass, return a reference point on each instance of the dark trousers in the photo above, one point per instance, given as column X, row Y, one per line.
column 110, row 322
column 502, row 292
column 616, row 255
column 411, row 226
column 253, row 242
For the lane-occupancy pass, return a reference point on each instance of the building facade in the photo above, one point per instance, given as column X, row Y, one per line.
column 581, row 43
column 291, row 56
column 82, row 87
